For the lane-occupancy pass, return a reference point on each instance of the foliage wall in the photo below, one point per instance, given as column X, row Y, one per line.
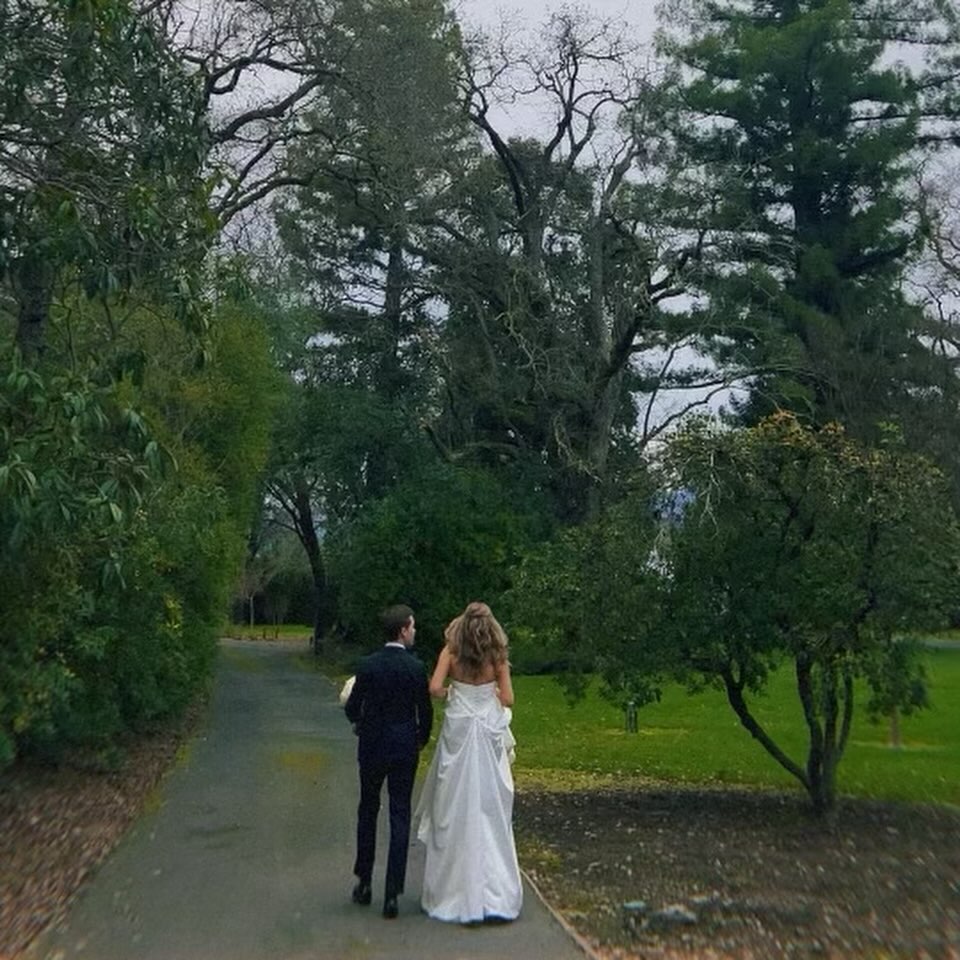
column 124, row 515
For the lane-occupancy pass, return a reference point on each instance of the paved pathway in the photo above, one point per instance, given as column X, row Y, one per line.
column 249, row 855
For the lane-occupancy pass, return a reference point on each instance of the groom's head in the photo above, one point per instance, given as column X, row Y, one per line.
column 398, row 624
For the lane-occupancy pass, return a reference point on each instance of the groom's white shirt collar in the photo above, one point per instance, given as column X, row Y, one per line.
column 395, row 643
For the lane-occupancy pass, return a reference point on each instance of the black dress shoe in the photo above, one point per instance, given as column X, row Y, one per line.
column 362, row 894
column 390, row 907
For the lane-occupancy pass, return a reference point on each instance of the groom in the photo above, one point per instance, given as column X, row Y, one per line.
column 391, row 710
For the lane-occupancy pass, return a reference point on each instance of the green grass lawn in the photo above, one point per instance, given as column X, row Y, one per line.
column 699, row 739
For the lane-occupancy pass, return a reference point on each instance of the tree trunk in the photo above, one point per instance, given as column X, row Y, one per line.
column 35, row 274
column 293, row 493
column 896, row 738
column 307, row 532
column 388, row 370
column 598, row 442
column 602, row 402
column 389, row 375
column 34, row 285
column 736, row 700
column 818, row 779
column 828, row 729
column 319, row 625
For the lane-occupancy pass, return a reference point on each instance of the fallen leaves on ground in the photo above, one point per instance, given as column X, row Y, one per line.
column 665, row 872
column 58, row 823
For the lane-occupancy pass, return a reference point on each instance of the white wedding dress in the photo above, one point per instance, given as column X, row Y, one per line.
column 466, row 812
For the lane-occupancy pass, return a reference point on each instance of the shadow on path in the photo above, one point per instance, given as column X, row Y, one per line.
column 250, row 852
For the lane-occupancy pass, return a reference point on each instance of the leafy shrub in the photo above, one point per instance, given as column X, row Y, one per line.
column 443, row 537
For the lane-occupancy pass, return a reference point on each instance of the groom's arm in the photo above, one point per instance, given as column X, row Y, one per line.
column 424, row 708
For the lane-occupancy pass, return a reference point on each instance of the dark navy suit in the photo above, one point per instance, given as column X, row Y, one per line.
column 390, row 706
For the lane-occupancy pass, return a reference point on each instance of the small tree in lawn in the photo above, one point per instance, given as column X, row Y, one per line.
column 794, row 546
column 804, row 546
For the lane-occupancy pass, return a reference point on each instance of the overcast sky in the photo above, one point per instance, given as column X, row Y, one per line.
column 529, row 115
column 638, row 13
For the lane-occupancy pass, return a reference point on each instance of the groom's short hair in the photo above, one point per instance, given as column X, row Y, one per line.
column 394, row 619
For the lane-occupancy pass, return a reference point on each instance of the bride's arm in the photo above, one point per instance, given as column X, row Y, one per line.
column 504, row 685
column 438, row 688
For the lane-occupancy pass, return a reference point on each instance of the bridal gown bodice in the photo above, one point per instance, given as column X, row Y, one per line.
column 466, row 812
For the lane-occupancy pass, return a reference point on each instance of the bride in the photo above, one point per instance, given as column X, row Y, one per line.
column 466, row 806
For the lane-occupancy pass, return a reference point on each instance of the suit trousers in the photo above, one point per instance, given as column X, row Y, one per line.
column 399, row 775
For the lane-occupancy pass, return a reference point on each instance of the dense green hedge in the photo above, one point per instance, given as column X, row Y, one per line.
column 124, row 507
column 445, row 535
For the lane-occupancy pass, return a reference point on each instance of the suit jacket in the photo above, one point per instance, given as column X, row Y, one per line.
column 390, row 705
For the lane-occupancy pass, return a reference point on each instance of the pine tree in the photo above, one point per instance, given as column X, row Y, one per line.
column 801, row 133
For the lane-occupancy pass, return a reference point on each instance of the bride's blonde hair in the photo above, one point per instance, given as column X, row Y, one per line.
column 475, row 638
